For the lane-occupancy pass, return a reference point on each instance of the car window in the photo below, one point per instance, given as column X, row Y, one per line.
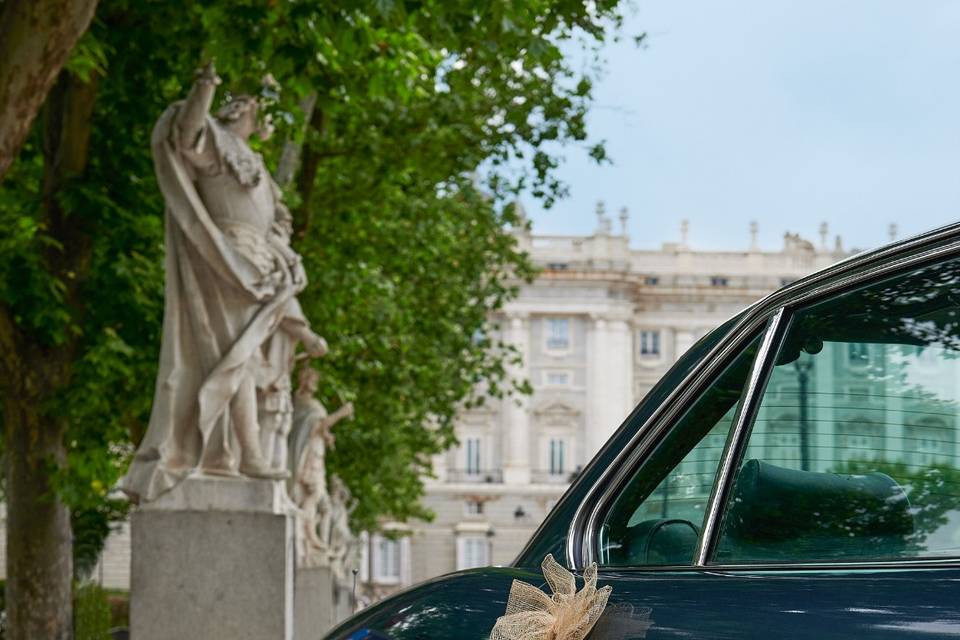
column 853, row 452
column 656, row 519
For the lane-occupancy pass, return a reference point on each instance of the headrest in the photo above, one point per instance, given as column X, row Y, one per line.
column 772, row 504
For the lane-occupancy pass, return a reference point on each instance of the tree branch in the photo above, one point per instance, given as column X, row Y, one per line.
column 36, row 37
column 290, row 156
column 308, row 176
column 10, row 364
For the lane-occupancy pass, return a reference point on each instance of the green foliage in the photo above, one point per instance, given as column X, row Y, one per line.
column 932, row 491
column 430, row 118
column 91, row 525
column 91, row 613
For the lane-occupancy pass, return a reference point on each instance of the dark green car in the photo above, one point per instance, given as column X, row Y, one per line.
column 795, row 475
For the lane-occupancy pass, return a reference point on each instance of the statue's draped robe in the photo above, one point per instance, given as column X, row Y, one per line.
column 274, row 389
column 307, row 413
column 226, row 292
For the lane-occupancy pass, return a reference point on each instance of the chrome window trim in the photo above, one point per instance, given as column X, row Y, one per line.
column 949, row 562
column 649, row 435
column 582, row 531
column 742, row 422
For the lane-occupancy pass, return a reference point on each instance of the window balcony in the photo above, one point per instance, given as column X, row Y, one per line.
column 489, row 476
column 550, row 477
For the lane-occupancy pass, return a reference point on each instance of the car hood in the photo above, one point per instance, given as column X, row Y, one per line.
column 463, row 605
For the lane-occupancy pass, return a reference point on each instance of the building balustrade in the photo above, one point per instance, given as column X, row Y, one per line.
column 491, row 476
column 547, row 476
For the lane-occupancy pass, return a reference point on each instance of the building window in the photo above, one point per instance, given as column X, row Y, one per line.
column 557, row 266
column 386, row 560
column 650, row 343
column 557, row 378
column 473, row 552
column 557, row 456
column 558, row 334
column 472, row 449
column 858, row 354
column 651, row 281
column 474, row 507
column 718, row 281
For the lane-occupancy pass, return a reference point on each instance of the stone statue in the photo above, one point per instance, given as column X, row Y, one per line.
column 230, row 293
column 311, row 437
column 274, row 401
column 341, row 538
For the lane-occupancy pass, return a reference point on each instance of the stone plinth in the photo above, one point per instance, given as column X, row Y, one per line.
column 214, row 559
column 321, row 602
column 313, row 600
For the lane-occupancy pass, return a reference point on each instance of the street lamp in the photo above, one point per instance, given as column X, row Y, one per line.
column 803, row 378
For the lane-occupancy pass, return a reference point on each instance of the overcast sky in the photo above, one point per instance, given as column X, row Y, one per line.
column 787, row 113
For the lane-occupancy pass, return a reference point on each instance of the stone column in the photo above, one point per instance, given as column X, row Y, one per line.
column 439, row 465
column 214, row 558
column 683, row 340
column 609, row 379
column 516, row 410
column 621, row 386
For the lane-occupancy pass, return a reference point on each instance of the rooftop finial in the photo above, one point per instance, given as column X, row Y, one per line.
column 754, row 228
column 603, row 222
column 824, row 232
column 684, row 231
column 892, row 231
column 624, row 216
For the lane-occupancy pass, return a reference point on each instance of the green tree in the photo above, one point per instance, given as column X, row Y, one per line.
column 415, row 125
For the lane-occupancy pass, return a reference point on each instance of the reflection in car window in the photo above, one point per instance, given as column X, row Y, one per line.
column 853, row 454
column 656, row 519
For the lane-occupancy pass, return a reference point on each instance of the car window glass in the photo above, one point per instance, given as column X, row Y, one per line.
column 853, row 453
column 656, row 519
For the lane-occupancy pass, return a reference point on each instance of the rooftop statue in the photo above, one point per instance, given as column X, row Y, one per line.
column 231, row 316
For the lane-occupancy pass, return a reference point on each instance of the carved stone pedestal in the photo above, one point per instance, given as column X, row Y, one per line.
column 320, row 603
column 214, row 558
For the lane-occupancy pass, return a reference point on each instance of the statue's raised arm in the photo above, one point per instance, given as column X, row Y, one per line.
column 192, row 118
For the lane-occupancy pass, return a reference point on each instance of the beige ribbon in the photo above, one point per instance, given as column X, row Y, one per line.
column 567, row 615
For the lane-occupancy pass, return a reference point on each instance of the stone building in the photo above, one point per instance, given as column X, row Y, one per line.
column 597, row 329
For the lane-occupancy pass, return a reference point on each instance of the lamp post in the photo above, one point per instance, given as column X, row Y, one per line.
column 803, row 378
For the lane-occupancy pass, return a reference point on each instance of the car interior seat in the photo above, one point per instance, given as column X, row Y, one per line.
column 786, row 515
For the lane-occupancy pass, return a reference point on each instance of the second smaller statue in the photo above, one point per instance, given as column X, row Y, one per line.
column 324, row 516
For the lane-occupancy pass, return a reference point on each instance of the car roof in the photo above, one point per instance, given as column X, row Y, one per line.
column 858, row 262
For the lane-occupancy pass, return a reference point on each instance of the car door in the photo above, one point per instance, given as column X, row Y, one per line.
column 810, row 488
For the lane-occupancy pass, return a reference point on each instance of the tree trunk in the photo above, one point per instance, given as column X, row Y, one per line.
column 308, row 176
column 36, row 38
column 39, row 559
column 39, row 537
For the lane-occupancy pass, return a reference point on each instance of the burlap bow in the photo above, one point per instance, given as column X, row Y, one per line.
column 567, row 615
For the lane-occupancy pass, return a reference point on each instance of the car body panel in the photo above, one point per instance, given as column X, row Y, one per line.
column 880, row 604
column 463, row 605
